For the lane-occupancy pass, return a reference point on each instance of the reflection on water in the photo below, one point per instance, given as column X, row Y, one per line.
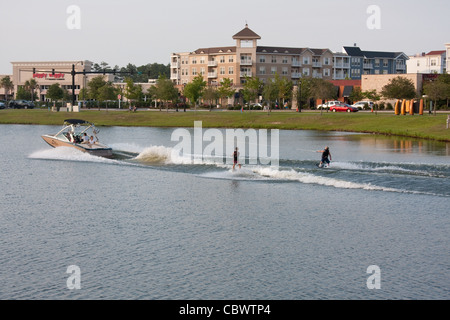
column 147, row 225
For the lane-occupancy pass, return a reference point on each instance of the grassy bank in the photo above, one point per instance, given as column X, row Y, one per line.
column 426, row 126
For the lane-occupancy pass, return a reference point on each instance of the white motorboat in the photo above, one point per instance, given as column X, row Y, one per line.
column 72, row 135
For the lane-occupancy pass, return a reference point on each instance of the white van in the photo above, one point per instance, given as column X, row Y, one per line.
column 328, row 104
column 361, row 105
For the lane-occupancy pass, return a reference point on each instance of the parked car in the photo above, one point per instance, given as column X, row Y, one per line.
column 2, row 105
column 361, row 105
column 327, row 104
column 343, row 107
column 21, row 104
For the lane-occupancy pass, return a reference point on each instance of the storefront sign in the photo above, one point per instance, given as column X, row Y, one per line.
column 49, row 76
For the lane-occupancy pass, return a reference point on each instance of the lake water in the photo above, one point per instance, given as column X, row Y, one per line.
column 145, row 225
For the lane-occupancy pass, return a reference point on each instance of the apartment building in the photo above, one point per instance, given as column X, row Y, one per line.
column 374, row 62
column 447, row 54
column 431, row 62
column 247, row 59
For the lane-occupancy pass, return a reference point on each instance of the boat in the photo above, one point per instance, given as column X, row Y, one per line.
column 71, row 136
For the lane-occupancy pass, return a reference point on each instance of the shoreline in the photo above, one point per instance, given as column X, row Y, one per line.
column 428, row 127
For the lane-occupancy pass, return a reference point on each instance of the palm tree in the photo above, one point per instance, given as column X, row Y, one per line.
column 8, row 85
column 31, row 85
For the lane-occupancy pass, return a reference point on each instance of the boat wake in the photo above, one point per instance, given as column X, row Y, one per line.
column 373, row 176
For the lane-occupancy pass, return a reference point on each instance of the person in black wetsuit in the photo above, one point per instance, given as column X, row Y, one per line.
column 235, row 158
column 325, row 154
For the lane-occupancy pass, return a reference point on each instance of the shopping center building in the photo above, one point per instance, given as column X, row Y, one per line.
column 49, row 72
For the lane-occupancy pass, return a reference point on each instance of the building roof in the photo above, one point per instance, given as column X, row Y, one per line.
column 357, row 52
column 289, row 50
column 215, row 50
column 246, row 33
column 286, row 50
column 435, row 53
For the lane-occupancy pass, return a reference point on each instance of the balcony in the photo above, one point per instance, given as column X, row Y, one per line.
column 317, row 75
column 212, row 63
column 296, row 63
column 246, row 74
column 342, row 65
column 316, row 64
column 174, row 76
column 246, row 62
column 296, row 75
column 175, row 65
column 400, row 67
column 212, row 74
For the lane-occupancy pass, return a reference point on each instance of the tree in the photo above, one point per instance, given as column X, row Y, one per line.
column 210, row 95
column 438, row 89
column 283, row 87
column 22, row 93
column 372, row 95
column 107, row 92
column 152, row 93
column 322, row 89
column 270, row 93
column 225, row 89
column 133, row 91
column 8, row 85
column 55, row 92
column 94, row 86
column 194, row 89
column 252, row 88
column 165, row 90
column 304, row 91
column 399, row 88
column 83, row 94
column 31, row 85
column 356, row 95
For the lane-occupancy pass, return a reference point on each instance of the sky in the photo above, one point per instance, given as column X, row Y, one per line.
column 142, row 32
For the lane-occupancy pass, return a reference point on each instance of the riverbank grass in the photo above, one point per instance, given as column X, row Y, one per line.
column 425, row 126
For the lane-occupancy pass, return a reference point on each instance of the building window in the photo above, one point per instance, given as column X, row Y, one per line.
column 273, row 70
column 222, row 59
column 194, row 71
column 326, row 61
column 202, row 71
column 230, row 70
column 284, row 71
column 262, row 59
column 306, row 61
column 377, row 62
column 274, row 59
column 231, row 59
column 433, row 62
column 222, row 70
column 194, row 60
column 285, row 60
column 202, row 60
column 326, row 72
column 262, row 70
column 305, row 71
